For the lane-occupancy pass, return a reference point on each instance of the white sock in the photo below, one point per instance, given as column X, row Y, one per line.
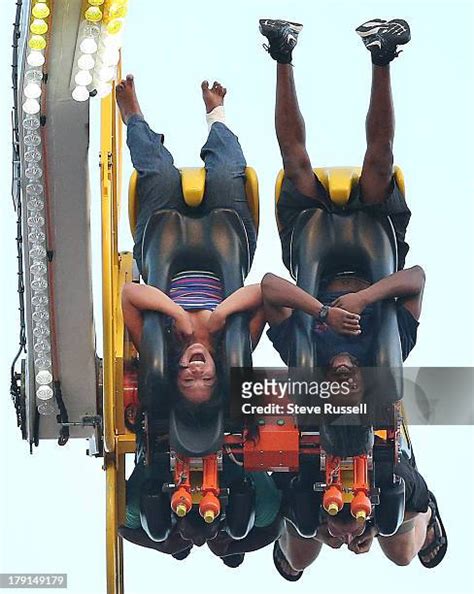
column 216, row 115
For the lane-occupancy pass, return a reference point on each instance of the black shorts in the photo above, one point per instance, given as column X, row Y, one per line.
column 416, row 491
column 292, row 203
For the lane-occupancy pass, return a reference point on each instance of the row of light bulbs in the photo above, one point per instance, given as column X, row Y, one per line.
column 100, row 40
column 35, row 206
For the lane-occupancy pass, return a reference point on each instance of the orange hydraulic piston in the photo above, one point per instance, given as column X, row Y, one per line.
column 360, row 505
column 332, row 498
column 181, row 500
column 210, row 506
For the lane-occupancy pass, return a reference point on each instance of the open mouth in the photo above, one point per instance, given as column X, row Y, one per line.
column 197, row 357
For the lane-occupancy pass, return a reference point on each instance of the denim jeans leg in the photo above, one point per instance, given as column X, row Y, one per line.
column 225, row 177
column 159, row 181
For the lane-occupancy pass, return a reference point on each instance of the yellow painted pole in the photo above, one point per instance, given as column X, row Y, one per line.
column 114, row 462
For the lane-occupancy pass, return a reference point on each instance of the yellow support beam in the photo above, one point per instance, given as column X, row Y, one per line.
column 116, row 269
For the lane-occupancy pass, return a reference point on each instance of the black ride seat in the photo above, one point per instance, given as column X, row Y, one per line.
column 172, row 243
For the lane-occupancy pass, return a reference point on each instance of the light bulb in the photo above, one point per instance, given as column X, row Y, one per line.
column 32, row 155
column 106, row 74
column 33, row 172
column 44, row 377
column 40, row 316
column 117, row 11
column 31, row 123
column 88, row 46
column 39, row 300
column 103, row 90
column 42, row 346
column 83, row 78
column 96, row 2
column 38, row 251
column 34, row 189
column 39, row 27
column 80, row 94
column 36, row 59
column 35, row 204
column 114, row 26
column 31, row 106
column 41, row 10
column 44, row 393
column 90, row 30
column 93, row 14
column 43, row 361
column 32, row 140
column 111, row 56
column 33, row 75
column 41, row 331
column 47, row 408
column 37, row 42
column 35, row 221
column 32, row 90
column 112, row 41
column 86, row 62
column 39, row 284
column 38, row 267
column 36, row 236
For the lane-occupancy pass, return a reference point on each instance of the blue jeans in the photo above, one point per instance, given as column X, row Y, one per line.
column 159, row 181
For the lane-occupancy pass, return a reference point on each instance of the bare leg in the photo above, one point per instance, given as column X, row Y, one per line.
column 403, row 546
column 380, row 129
column 291, row 134
column 299, row 552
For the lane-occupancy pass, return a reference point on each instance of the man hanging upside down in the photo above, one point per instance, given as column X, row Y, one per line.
column 343, row 340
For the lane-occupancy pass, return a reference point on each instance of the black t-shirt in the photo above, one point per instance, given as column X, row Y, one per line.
column 329, row 343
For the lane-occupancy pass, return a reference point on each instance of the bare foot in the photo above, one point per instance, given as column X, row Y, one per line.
column 213, row 97
column 127, row 98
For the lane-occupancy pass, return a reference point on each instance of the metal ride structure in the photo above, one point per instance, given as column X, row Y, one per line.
column 65, row 54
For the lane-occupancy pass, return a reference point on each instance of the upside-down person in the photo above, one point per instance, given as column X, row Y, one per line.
column 344, row 322
column 194, row 303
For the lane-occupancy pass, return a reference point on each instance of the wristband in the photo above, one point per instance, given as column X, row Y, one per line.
column 323, row 313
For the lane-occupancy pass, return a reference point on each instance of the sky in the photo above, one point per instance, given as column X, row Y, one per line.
column 53, row 502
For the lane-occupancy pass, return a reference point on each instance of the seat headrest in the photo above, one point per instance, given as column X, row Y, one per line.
column 193, row 185
column 339, row 181
column 196, row 439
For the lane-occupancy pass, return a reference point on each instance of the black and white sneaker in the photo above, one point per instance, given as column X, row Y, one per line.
column 382, row 38
column 282, row 38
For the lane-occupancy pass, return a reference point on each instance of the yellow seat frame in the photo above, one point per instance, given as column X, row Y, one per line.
column 193, row 182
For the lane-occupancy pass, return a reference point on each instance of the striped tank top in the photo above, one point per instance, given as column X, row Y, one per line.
column 196, row 289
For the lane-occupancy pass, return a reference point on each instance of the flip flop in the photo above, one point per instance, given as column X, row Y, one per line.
column 440, row 538
column 278, row 557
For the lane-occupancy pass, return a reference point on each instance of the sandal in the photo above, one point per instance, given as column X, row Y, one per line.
column 440, row 540
column 278, row 558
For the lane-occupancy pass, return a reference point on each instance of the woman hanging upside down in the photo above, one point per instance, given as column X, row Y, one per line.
column 194, row 303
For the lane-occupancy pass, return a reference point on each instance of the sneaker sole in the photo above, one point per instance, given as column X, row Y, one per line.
column 296, row 27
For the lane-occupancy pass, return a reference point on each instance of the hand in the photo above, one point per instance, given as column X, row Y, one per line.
column 216, row 321
column 343, row 322
column 361, row 544
column 183, row 326
column 353, row 302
